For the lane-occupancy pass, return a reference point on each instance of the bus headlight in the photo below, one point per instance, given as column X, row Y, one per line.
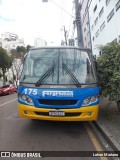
column 90, row 100
column 26, row 99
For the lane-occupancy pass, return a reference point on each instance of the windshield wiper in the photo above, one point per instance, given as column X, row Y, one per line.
column 44, row 77
column 77, row 83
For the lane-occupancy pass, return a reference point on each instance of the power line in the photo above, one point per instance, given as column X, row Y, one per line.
column 71, row 19
column 62, row 13
column 61, row 7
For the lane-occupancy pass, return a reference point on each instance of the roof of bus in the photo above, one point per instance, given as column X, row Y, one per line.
column 62, row 47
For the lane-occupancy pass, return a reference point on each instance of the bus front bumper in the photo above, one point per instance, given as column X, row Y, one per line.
column 88, row 113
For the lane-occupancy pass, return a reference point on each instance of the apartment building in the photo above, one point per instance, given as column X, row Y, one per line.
column 86, row 34
column 104, row 17
column 10, row 41
column 85, row 24
column 38, row 42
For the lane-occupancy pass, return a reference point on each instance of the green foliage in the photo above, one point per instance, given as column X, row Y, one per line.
column 17, row 56
column 5, row 61
column 28, row 47
column 109, row 71
column 20, row 51
column 13, row 52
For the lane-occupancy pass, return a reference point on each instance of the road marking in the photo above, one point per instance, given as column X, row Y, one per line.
column 8, row 102
column 95, row 141
column 14, row 116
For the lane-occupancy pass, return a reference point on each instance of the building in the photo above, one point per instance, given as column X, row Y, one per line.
column 38, row 42
column 85, row 24
column 104, row 18
column 82, row 8
column 11, row 41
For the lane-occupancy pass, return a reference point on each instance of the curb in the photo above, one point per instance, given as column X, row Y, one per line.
column 108, row 136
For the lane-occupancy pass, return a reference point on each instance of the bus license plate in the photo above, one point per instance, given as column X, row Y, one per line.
column 56, row 113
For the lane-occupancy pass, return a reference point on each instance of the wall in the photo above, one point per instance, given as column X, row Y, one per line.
column 111, row 31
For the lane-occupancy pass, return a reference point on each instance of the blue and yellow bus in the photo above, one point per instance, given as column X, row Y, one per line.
column 60, row 84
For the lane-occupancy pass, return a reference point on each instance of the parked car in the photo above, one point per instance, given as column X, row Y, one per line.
column 8, row 89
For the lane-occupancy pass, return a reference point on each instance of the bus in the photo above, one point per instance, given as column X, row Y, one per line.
column 58, row 84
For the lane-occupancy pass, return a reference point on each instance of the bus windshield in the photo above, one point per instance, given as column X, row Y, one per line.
column 58, row 66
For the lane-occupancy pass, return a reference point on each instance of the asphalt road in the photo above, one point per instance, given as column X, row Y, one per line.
column 18, row 134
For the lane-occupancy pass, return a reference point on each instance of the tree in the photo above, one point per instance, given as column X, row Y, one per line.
column 20, row 51
column 28, row 47
column 17, row 65
column 108, row 68
column 5, row 62
column 17, row 56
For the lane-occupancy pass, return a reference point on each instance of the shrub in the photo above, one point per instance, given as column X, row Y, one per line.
column 108, row 69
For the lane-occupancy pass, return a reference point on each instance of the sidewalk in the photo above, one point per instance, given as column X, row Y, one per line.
column 109, row 121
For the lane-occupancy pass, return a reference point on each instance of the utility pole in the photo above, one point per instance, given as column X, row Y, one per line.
column 78, row 22
column 65, row 35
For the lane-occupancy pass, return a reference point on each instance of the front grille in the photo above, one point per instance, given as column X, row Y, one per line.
column 57, row 102
column 66, row 114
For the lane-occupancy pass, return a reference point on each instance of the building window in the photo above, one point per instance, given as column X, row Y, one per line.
column 101, row 12
column 88, row 34
column 86, row 9
column 100, row 52
column 93, row 38
column 95, row 8
column 117, row 5
column 107, row 2
column 102, row 26
column 92, row 27
column 110, row 15
column 87, row 24
column 96, row 20
column 89, row 44
column 83, row 18
column 84, row 29
column 119, row 39
column 97, row 33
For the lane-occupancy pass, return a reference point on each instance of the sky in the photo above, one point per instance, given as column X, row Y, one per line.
column 33, row 18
